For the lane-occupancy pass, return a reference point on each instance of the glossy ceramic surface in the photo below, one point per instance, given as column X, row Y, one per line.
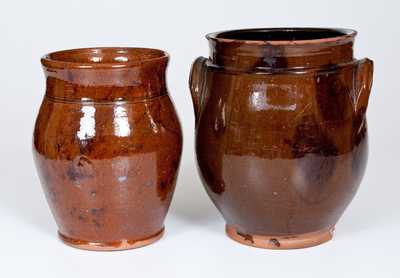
column 107, row 145
column 281, row 133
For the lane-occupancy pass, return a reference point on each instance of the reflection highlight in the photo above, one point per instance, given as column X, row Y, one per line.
column 87, row 128
column 121, row 122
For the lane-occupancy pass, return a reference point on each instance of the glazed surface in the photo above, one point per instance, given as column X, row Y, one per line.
column 108, row 156
column 281, row 140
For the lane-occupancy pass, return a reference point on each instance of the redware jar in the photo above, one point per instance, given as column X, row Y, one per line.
column 281, row 132
column 107, row 145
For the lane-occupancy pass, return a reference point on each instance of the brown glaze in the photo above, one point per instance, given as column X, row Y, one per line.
column 281, row 134
column 107, row 145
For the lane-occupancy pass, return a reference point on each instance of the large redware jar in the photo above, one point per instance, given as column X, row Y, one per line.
column 107, row 145
column 281, row 132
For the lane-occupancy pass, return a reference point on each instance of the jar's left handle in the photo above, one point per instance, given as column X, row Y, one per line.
column 197, row 84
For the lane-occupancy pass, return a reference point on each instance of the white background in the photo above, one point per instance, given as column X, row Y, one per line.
column 367, row 239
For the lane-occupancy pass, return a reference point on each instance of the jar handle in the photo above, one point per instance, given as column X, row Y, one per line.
column 197, row 84
column 363, row 84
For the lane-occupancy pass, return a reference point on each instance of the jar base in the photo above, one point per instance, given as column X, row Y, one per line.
column 281, row 242
column 110, row 246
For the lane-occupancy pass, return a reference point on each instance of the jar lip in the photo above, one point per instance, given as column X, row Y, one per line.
column 284, row 36
column 102, row 57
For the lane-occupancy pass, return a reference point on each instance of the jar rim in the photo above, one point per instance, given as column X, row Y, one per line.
column 102, row 57
column 284, row 36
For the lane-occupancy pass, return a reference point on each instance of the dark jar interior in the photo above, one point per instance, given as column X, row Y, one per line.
column 281, row 48
column 105, row 74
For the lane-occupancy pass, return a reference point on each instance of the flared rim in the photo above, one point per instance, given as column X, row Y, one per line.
column 102, row 57
column 284, row 35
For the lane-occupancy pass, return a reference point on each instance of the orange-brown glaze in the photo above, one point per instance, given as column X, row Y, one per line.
column 107, row 143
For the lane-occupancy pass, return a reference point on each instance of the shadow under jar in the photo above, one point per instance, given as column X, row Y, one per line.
column 107, row 145
column 281, row 133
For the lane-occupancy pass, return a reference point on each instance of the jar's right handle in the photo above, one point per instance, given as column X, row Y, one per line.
column 197, row 83
column 363, row 84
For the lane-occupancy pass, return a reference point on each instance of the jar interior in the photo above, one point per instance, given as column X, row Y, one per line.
column 282, row 34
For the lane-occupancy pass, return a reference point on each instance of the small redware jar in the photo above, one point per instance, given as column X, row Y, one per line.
column 107, row 145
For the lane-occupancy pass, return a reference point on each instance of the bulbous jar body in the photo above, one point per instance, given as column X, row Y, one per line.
column 281, row 134
column 107, row 146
